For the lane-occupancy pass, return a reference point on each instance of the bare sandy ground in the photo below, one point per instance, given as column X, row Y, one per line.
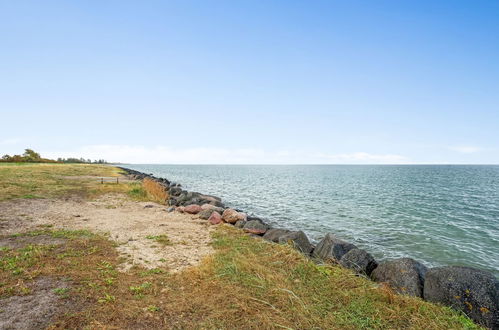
column 133, row 225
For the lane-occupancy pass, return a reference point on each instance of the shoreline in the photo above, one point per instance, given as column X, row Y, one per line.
column 473, row 291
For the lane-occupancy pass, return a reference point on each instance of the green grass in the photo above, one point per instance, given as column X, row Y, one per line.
column 24, row 180
column 161, row 239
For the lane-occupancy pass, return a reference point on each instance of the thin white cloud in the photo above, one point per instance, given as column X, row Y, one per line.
column 466, row 149
column 10, row 141
column 168, row 155
column 366, row 158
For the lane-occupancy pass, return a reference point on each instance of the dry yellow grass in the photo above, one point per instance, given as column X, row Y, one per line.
column 155, row 191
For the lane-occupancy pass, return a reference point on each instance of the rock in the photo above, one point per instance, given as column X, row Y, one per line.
column 193, row 209
column 192, row 194
column 232, row 216
column 180, row 209
column 170, row 209
column 359, row 261
column 240, row 223
column 212, row 207
column 182, row 198
column 175, row 191
column 252, row 217
column 472, row 291
column 299, row 240
column 274, row 234
column 404, row 275
column 210, row 199
column 331, row 247
column 194, row 200
column 215, row 218
column 255, row 227
column 205, row 214
column 148, row 206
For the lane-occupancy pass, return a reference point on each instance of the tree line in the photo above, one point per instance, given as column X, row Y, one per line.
column 30, row 156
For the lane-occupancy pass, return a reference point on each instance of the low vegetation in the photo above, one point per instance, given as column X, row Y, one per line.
column 246, row 283
column 57, row 180
column 155, row 191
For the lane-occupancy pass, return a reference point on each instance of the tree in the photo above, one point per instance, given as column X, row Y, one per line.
column 31, row 156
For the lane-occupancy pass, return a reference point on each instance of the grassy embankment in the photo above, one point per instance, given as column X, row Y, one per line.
column 247, row 283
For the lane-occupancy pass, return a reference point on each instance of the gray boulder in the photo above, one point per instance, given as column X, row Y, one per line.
column 240, row 223
column 205, row 214
column 175, row 191
column 299, row 240
column 274, row 234
column 472, row 291
column 252, row 217
column 331, row 247
column 255, row 227
column 359, row 261
column 404, row 275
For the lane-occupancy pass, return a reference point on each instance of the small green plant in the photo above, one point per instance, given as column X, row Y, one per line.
column 152, row 272
column 139, row 290
column 152, row 308
column 161, row 239
column 107, row 298
column 30, row 196
column 63, row 292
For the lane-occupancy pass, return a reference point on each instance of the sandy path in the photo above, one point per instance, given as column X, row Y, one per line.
column 127, row 222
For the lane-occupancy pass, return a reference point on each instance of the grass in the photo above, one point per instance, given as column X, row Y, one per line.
column 161, row 239
column 56, row 180
column 247, row 283
column 31, row 181
column 155, row 191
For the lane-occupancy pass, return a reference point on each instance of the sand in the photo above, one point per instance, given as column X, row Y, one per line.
column 133, row 225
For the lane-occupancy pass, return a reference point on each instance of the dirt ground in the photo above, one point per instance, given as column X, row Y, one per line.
column 135, row 226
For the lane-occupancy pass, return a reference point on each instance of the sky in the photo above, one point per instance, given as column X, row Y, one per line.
column 251, row 82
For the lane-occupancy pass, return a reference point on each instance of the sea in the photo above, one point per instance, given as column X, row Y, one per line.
column 437, row 214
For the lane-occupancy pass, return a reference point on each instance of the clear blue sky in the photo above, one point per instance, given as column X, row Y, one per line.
column 251, row 81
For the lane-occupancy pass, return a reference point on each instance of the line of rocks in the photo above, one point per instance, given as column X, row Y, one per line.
column 472, row 291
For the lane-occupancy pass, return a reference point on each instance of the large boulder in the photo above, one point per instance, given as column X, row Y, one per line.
column 359, row 261
column 299, row 240
column 205, row 214
column 212, row 207
column 404, row 275
column 232, row 216
column 274, row 234
column 215, row 218
column 255, row 227
column 331, row 247
column 240, row 224
column 175, row 191
column 473, row 291
column 212, row 200
column 193, row 209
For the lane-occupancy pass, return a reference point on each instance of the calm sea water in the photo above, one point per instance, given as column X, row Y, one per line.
column 440, row 215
